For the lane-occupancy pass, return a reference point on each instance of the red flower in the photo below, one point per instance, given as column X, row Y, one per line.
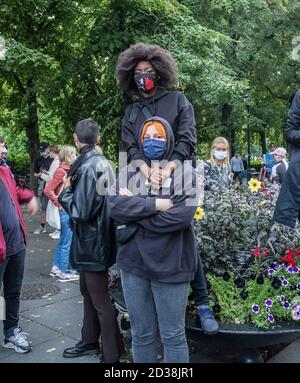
column 289, row 258
column 258, row 253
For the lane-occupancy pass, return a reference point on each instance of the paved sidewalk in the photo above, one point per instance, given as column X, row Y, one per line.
column 54, row 321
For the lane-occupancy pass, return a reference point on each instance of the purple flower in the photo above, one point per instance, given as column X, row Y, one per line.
column 267, row 310
column 269, row 302
column 271, row 318
column 281, row 298
column 286, row 305
column 296, row 270
column 290, row 269
column 255, row 308
column 298, row 287
column 276, row 265
column 296, row 315
column 285, row 283
column 282, row 278
column 271, row 272
column 283, row 266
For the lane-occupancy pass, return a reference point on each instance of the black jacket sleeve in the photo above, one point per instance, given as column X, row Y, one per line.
column 292, row 132
column 177, row 218
column 180, row 215
column 130, row 209
column 83, row 203
column 186, row 135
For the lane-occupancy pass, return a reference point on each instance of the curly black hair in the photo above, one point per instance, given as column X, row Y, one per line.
column 161, row 60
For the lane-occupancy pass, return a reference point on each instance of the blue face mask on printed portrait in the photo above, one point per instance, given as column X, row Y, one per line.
column 154, row 149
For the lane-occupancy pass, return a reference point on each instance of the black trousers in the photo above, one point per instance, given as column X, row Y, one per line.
column 11, row 276
column 199, row 286
column 100, row 317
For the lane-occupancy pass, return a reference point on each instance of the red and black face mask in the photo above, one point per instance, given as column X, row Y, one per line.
column 145, row 82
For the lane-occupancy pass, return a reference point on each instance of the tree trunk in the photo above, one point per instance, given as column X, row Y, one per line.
column 227, row 129
column 32, row 129
column 262, row 134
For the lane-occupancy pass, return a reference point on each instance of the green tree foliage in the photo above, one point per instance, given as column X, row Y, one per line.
column 260, row 54
column 234, row 62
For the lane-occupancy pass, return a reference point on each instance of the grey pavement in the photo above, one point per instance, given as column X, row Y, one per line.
column 53, row 319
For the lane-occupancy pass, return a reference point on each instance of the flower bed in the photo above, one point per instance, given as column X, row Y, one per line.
column 251, row 265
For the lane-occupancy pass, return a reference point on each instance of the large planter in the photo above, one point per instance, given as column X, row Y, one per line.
column 243, row 339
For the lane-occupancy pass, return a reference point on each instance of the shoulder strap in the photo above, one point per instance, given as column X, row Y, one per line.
column 134, row 112
column 146, row 112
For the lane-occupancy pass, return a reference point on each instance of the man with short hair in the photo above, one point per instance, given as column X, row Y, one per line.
column 12, row 251
column 93, row 244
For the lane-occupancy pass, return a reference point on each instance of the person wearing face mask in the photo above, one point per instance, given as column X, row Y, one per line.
column 217, row 172
column 67, row 156
column 147, row 71
column 216, row 176
column 52, row 213
column 156, row 247
column 41, row 166
column 12, row 251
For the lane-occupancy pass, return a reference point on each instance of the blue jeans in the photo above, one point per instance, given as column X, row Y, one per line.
column 151, row 306
column 62, row 251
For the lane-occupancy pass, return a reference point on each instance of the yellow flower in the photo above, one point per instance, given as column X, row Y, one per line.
column 199, row 214
column 254, row 185
column 262, row 204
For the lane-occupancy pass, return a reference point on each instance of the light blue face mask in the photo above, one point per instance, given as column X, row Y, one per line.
column 154, row 149
column 220, row 155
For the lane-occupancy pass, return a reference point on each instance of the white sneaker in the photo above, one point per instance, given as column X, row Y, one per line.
column 68, row 277
column 40, row 230
column 18, row 341
column 55, row 272
column 74, row 272
column 55, row 234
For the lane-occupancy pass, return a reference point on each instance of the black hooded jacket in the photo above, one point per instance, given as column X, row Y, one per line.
column 151, row 244
column 173, row 107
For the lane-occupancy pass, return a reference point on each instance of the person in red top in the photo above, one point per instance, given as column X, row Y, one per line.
column 12, row 251
column 52, row 190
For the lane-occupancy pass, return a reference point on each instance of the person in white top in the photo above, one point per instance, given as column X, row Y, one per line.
column 47, row 176
column 279, row 170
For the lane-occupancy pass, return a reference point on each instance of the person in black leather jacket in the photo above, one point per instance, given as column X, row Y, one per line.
column 93, row 243
column 288, row 204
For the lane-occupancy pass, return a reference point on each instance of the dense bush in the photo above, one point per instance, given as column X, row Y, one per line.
column 20, row 163
column 251, row 264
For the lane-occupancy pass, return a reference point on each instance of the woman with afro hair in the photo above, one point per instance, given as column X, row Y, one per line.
column 147, row 71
